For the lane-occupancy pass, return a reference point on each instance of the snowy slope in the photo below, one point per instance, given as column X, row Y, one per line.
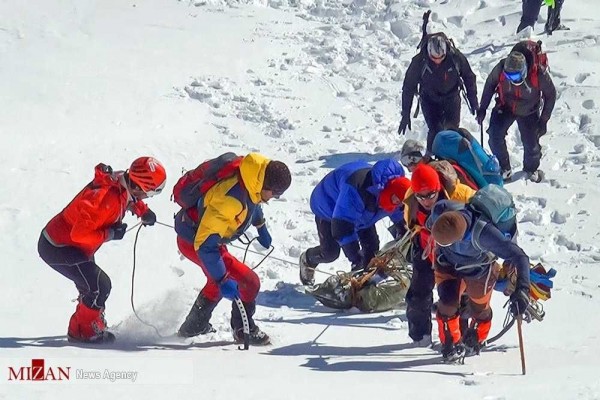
column 315, row 84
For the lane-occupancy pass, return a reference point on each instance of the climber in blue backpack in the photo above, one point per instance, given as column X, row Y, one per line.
column 468, row 240
column 460, row 147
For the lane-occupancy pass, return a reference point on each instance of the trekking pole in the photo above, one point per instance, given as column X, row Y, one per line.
column 481, row 133
column 245, row 323
column 521, row 349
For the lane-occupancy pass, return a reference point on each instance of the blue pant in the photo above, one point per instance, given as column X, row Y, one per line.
column 500, row 121
column 91, row 281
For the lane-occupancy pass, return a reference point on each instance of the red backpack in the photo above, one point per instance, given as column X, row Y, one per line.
column 195, row 183
column 537, row 60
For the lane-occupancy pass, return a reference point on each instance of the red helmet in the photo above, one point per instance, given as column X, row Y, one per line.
column 149, row 174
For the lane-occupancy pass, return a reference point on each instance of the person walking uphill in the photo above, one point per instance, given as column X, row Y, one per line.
column 438, row 74
column 223, row 212
column 523, row 87
column 531, row 11
column 95, row 216
column 347, row 204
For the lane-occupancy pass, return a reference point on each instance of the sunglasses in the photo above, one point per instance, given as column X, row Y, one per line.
column 426, row 196
column 411, row 159
column 514, row 77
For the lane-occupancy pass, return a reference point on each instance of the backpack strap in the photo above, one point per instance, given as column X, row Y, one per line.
column 478, row 227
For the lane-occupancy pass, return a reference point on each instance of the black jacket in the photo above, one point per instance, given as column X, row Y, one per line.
column 521, row 100
column 436, row 83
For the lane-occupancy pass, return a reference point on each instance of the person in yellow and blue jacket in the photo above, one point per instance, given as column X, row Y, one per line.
column 223, row 214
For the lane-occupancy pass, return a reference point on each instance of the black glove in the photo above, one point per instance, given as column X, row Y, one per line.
column 542, row 127
column 149, row 218
column 519, row 301
column 117, row 231
column 480, row 116
column 404, row 123
column 398, row 230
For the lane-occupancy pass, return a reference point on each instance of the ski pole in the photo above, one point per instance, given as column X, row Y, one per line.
column 245, row 323
column 521, row 349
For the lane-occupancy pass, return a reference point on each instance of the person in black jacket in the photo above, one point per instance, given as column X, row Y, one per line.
column 466, row 251
column 521, row 87
column 438, row 74
column 531, row 11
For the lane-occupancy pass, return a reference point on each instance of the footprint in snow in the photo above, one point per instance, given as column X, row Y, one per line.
column 588, row 104
column 562, row 240
column 559, row 218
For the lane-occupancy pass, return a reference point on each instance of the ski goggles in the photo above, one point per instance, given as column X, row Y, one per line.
column 411, row 159
column 156, row 191
column 137, row 190
column 426, row 196
column 514, row 77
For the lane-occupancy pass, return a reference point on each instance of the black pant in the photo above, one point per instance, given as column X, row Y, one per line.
column 440, row 116
column 419, row 297
column 328, row 249
column 92, row 283
column 500, row 121
column 531, row 11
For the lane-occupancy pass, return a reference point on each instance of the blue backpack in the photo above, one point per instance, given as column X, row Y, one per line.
column 461, row 147
column 495, row 205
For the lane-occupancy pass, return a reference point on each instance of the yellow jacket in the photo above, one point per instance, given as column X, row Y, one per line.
column 230, row 207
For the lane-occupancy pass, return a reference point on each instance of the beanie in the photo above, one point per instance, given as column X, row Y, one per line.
column 412, row 147
column 515, row 62
column 397, row 186
column 450, row 227
column 425, row 179
column 277, row 177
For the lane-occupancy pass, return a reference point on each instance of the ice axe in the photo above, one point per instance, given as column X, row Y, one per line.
column 245, row 323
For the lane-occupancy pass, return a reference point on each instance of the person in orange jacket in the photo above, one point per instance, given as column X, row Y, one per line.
column 95, row 216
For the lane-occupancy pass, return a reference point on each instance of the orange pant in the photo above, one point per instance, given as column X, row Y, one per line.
column 248, row 281
column 451, row 285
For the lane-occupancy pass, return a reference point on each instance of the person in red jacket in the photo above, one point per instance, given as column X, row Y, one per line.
column 69, row 241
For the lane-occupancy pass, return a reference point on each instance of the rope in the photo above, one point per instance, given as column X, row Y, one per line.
column 132, row 285
column 133, row 227
column 247, row 249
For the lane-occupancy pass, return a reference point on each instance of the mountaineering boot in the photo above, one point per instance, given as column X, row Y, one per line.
column 257, row 337
column 449, row 332
column 536, row 176
column 197, row 320
column 506, row 175
column 474, row 338
column 307, row 271
column 87, row 325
